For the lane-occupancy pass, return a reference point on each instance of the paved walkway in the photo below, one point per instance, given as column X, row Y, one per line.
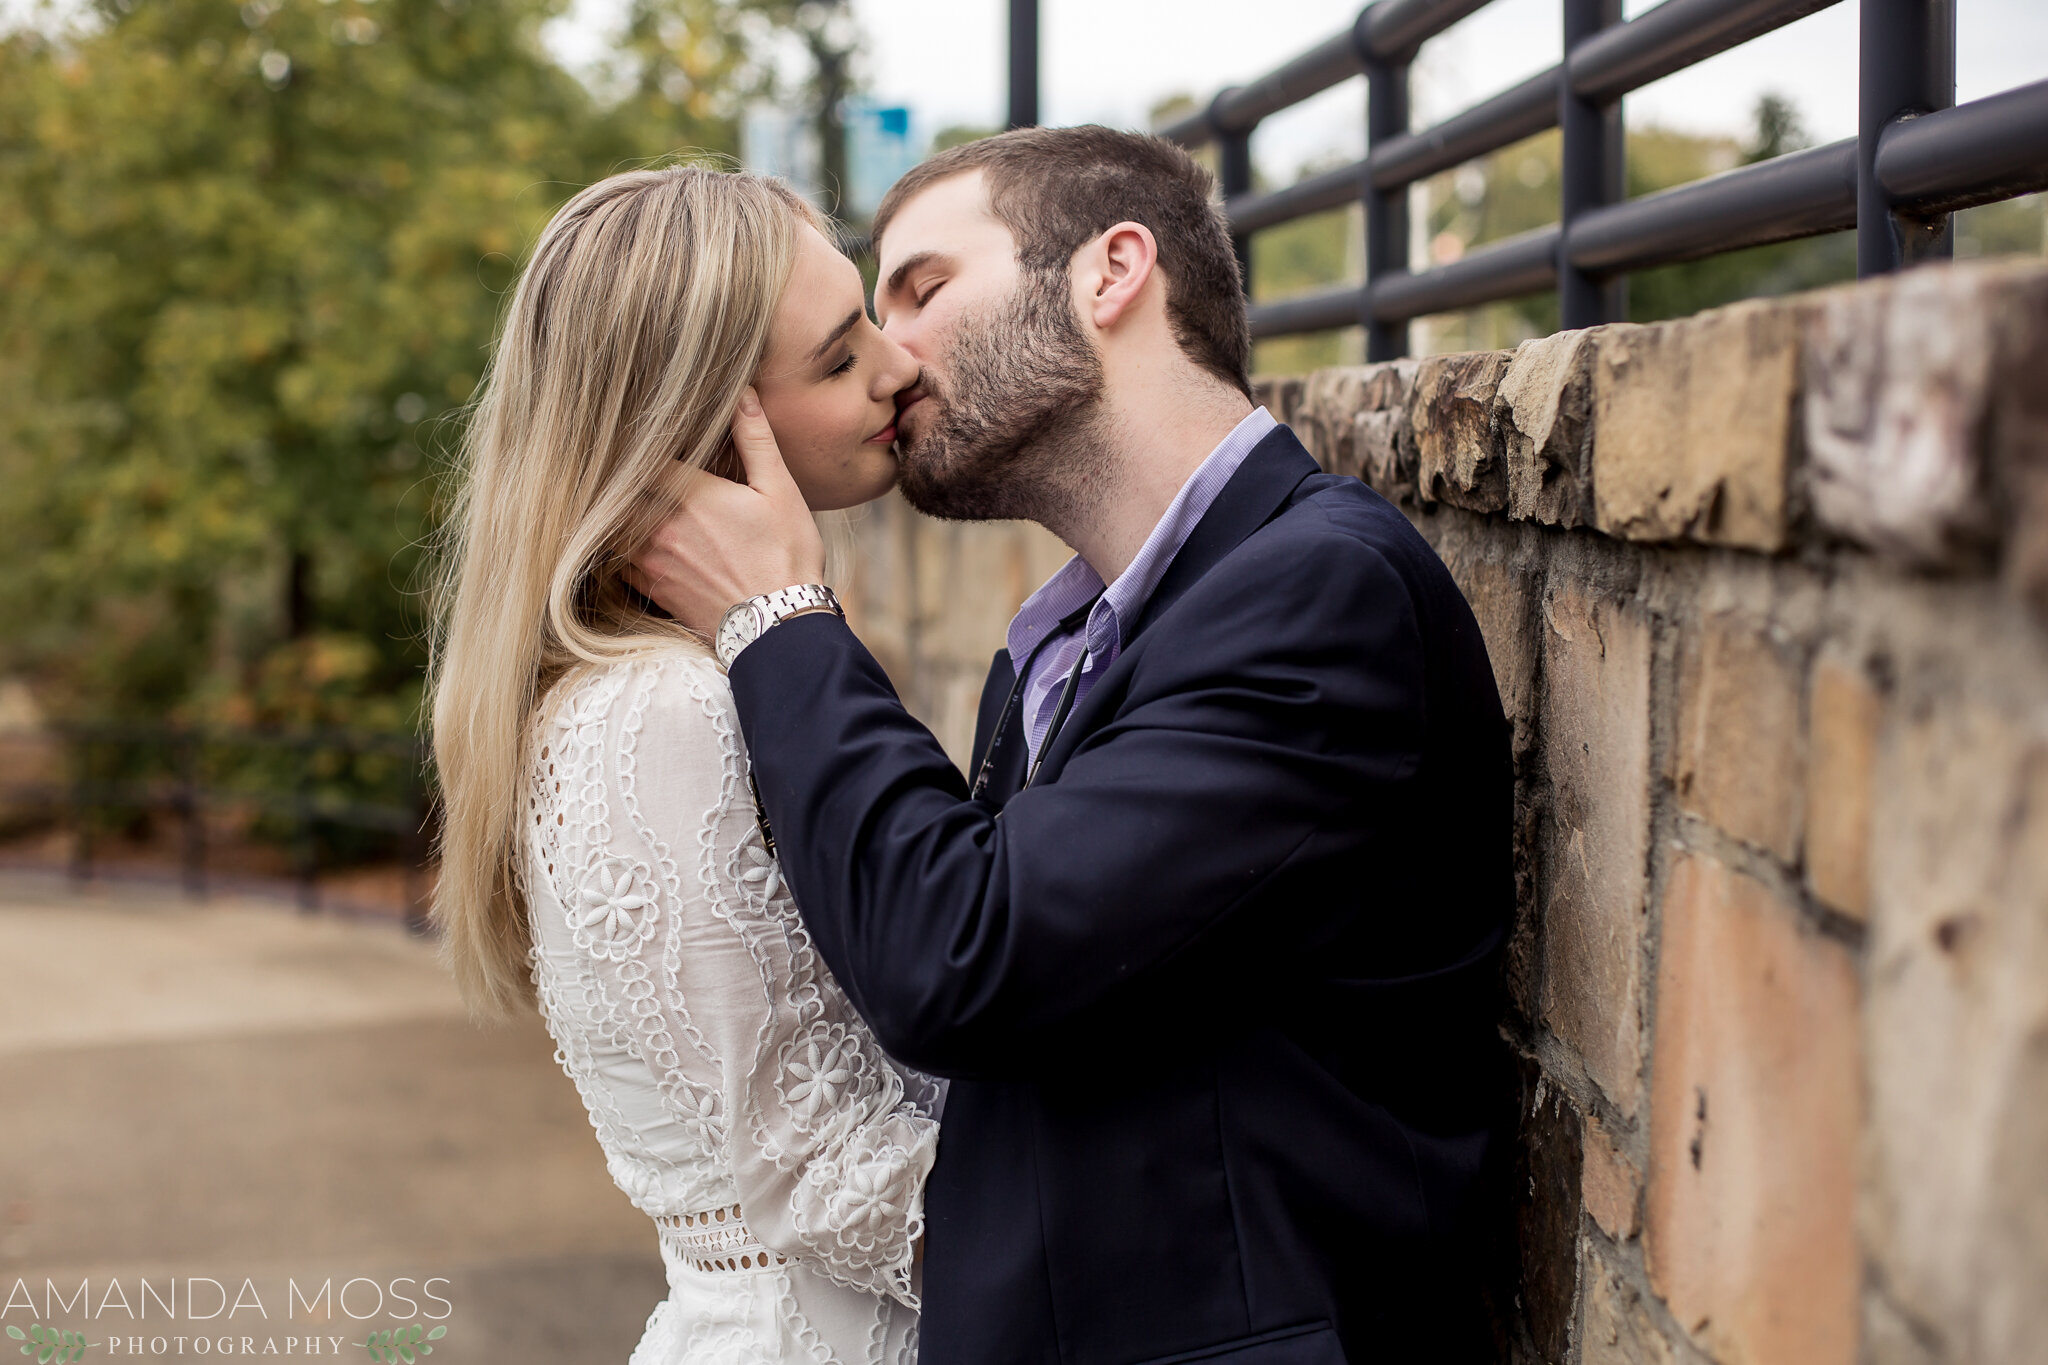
column 229, row 1091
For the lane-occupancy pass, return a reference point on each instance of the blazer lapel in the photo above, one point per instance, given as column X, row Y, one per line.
column 1002, row 734
column 1006, row 773
column 1260, row 489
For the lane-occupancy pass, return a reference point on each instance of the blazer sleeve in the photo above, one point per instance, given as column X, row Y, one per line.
column 1266, row 737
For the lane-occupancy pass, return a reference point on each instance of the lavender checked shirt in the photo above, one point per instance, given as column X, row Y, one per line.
column 1037, row 622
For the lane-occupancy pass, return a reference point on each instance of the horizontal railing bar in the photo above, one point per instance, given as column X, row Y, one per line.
column 1240, row 108
column 1989, row 149
column 1189, row 130
column 1393, row 29
column 1669, row 38
column 1673, row 36
column 1317, row 194
column 325, row 740
column 1798, row 194
column 1507, row 118
column 1389, row 31
column 1508, row 269
column 1512, row 268
column 1319, row 312
column 333, row 810
column 1523, row 111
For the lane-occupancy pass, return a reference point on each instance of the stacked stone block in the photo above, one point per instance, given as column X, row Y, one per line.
column 1766, row 598
column 1766, row 594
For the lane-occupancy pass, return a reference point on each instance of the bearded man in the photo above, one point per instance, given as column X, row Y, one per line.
column 1209, row 942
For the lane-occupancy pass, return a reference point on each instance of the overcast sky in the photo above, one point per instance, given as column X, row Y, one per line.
column 1109, row 61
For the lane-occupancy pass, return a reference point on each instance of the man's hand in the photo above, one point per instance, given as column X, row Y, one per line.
column 731, row 541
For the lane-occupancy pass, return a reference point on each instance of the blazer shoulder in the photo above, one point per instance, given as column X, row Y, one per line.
column 1341, row 509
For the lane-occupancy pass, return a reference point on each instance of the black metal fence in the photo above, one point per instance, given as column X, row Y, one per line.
column 1917, row 158
column 327, row 795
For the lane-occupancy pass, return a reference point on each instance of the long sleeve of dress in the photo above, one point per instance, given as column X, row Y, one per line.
column 705, row 970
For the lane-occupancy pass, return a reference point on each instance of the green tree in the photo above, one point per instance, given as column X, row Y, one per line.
column 250, row 259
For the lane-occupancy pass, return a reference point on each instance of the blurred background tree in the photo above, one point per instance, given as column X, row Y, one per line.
column 250, row 261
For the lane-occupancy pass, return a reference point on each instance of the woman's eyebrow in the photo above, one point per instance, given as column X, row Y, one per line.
column 833, row 337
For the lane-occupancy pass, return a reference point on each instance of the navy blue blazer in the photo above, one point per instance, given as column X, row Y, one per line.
column 1220, row 991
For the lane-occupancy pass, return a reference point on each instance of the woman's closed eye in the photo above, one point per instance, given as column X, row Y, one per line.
column 843, row 367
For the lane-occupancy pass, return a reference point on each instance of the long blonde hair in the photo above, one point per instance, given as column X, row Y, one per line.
column 642, row 314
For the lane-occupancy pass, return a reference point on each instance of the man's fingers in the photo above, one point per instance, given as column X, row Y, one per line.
column 760, row 457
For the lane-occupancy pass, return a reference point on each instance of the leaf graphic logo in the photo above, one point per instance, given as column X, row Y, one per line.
column 47, row 1344
column 401, row 1344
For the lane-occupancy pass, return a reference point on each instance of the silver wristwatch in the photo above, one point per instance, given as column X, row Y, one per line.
column 747, row 621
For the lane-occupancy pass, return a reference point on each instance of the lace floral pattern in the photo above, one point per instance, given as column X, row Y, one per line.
column 722, row 1067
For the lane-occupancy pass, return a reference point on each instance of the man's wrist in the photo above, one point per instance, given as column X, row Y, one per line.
column 746, row 622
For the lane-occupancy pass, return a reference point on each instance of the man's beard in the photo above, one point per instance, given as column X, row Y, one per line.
column 1014, row 429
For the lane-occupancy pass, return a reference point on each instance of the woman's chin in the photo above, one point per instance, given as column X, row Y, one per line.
column 875, row 475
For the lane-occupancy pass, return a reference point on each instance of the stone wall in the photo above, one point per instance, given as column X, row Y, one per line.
column 932, row 598
column 1766, row 592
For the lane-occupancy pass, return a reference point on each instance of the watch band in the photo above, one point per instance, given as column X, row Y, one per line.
column 748, row 621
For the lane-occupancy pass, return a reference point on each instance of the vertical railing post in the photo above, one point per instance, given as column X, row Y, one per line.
column 189, row 753
column 1906, row 67
column 1386, row 211
column 1234, row 170
column 83, row 805
column 307, row 835
column 1594, row 169
column 1023, row 63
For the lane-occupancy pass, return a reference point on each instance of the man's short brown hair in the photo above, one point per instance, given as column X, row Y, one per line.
column 1055, row 188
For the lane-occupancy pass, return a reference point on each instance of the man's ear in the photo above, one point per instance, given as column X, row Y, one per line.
column 1112, row 271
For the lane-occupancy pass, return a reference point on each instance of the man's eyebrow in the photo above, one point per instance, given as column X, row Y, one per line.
column 904, row 271
column 837, row 332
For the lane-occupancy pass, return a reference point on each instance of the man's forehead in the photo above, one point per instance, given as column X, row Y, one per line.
column 949, row 217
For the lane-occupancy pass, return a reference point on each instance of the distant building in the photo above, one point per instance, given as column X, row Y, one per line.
column 778, row 140
column 882, row 142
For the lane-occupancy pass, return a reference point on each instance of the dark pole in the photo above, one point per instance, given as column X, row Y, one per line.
column 1023, row 63
column 1234, row 170
column 186, row 749
column 1386, row 211
column 1907, row 66
column 1593, row 174
column 833, row 88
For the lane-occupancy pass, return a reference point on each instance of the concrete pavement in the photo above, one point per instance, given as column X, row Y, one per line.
column 234, row 1091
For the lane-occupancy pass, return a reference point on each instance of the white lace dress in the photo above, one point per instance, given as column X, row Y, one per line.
column 739, row 1099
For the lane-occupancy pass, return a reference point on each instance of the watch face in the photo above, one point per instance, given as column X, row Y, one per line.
column 746, row 627
column 740, row 628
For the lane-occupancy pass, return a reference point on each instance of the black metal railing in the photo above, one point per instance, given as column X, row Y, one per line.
column 1917, row 158
column 316, row 791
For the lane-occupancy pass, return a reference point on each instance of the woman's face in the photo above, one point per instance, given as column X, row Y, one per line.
column 829, row 382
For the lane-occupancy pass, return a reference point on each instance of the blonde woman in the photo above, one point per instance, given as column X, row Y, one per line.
column 601, row 855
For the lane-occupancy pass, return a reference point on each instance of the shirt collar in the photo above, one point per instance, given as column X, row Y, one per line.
column 1122, row 601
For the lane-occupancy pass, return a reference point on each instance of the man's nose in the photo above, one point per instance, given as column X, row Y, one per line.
column 901, row 330
column 899, row 368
